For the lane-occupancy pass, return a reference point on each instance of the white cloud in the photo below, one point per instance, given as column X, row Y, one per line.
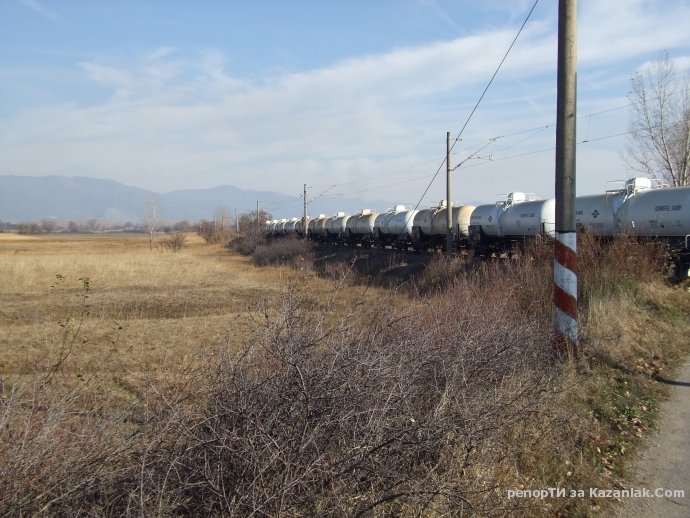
column 40, row 9
column 175, row 121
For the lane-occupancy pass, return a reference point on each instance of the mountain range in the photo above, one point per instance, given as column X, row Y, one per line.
column 32, row 198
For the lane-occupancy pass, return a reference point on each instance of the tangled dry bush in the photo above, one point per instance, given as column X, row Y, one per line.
column 429, row 405
column 287, row 251
column 62, row 445
column 173, row 242
column 209, row 232
column 378, row 411
column 612, row 268
column 245, row 245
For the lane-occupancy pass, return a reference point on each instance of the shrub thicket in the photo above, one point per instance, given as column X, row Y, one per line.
column 288, row 251
column 173, row 242
column 209, row 232
column 430, row 404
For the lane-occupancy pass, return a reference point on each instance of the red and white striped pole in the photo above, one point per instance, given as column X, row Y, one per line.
column 565, row 290
column 565, row 247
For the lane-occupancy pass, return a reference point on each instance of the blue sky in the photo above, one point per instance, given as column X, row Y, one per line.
column 353, row 98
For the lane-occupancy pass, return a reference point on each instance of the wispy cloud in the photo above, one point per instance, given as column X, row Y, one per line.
column 40, row 9
column 433, row 6
column 176, row 119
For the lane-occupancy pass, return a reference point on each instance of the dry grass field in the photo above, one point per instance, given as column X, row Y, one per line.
column 138, row 313
column 137, row 382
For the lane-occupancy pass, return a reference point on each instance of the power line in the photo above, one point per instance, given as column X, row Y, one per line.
column 534, row 130
column 390, row 173
column 476, row 106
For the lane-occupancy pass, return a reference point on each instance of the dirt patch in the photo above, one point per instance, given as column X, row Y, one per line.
column 665, row 464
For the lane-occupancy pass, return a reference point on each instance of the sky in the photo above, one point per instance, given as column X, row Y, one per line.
column 353, row 98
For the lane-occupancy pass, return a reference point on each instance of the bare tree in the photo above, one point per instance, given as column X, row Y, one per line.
column 151, row 216
column 92, row 224
column 659, row 125
column 49, row 225
column 183, row 226
column 248, row 223
column 221, row 216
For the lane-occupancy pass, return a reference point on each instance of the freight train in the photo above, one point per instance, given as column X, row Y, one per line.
column 639, row 206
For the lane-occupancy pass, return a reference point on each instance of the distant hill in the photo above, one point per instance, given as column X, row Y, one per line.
column 32, row 198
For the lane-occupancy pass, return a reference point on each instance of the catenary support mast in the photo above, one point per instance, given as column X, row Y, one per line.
column 306, row 214
column 565, row 246
column 449, row 202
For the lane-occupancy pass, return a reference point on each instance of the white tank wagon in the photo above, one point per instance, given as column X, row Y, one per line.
column 644, row 207
column 397, row 231
column 299, row 226
column 429, row 229
column 423, row 221
column 280, row 227
column 485, row 222
column 657, row 212
column 290, row 226
column 513, row 218
column 316, row 226
column 529, row 219
column 360, row 228
column 598, row 213
column 336, row 226
column 381, row 222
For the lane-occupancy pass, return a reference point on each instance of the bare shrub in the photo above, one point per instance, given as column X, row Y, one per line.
column 289, row 251
column 62, row 443
column 614, row 268
column 245, row 245
column 209, row 231
column 376, row 410
column 429, row 405
column 173, row 242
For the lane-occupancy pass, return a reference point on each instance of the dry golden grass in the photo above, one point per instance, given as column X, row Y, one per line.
column 130, row 316
column 146, row 312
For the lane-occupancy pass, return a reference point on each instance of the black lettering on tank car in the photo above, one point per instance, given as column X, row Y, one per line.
column 677, row 207
column 662, row 208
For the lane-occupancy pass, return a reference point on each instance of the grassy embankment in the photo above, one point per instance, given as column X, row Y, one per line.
column 197, row 383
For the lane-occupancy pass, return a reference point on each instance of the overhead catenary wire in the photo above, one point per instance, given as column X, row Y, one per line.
column 473, row 110
column 535, row 130
column 492, row 159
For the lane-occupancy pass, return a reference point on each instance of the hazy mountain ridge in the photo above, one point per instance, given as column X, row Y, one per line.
column 32, row 198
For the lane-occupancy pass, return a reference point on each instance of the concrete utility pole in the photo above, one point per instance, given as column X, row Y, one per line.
column 306, row 217
column 565, row 246
column 258, row 225
column 237, row 224
column 449, row 200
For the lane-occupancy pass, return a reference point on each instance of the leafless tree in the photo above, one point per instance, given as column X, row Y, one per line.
column 92, row 224
column 248, row 223
column 151, row 216
column 659, row 125
column 49, row 225
column 183, row 226
column 221, row 216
